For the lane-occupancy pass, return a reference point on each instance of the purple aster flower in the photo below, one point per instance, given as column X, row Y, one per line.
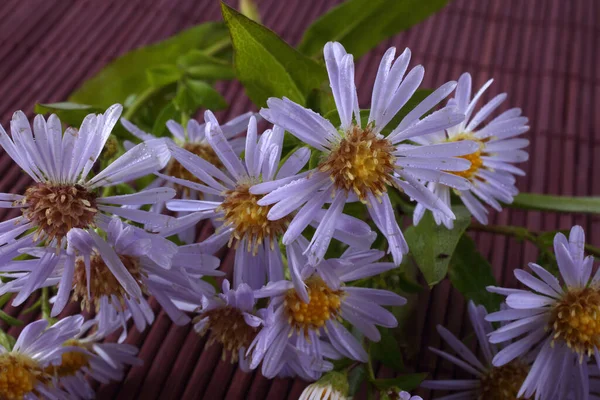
column 329, row 301
column 191, row 138
column 492, row 171
column 232, row 319
column 91, row 357
column 62, row 196
column 358, row 162
column 560, row 323
column 245, row 222
column 117, row 271
column 26, row 368
column 489, row 381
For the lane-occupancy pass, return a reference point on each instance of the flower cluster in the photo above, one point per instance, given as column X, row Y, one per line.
column 299, row 295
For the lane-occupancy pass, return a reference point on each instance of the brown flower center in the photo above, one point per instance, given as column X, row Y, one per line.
column 323, row 304
column 71, row 362
column 362, row 162
column 576, row 320
column 503, row 383
column 228, row 327
column 202, row 150
column 56, row 209
column 18, row 375
column 474, row 158
column 102, row 280
column 249, row 220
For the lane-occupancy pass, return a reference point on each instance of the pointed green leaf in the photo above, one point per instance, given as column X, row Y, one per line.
column 432, row 245
column 361, row 25
column 470, row 273
column 266, row 65
column 162, row 75
column 545, row 202
column 69, row 113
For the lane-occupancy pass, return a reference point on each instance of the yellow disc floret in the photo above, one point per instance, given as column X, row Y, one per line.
column 228, row 327
column 19, row 375
column 361, row 163
column 202, row 150
column 56, row 209
column 249, row 220
column 502, row 383
column 102, row 281
column 575, row 319
column 323, row 305
column 474, row 158
column 71, row 362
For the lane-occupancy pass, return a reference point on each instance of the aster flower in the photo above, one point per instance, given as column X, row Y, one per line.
column 559, row 322
column 329, row 301
column 489, row 382
column 25, row 368
column 232, row 320
column 62, row 197
column 191, row 138
column 245, row 222
column 492, row 171
column 358, row 162
column 93, row 358
column 333, row 386
column 403, row 395
column 117, row 271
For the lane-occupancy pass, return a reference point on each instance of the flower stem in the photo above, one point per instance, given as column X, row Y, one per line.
column 46, row 306
column 523, row 234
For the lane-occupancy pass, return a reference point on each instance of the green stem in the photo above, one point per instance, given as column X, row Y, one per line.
column 46, row 306
column 523, row 234
column 140, row 100
column 217, row 47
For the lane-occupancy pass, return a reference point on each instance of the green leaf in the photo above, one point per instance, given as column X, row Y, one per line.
column 250, row 10
column 69, row 113
column 356, row 377
column 432, row 245
column 199, row 65
column 404, row 382
column 7, row 341
column 127, row 74
column 266, row 65
column 387, row 350
column 162, row 75
column 470, row 273
column 205, row 95
column 544, row 202
column 361, row 25
column 168, row 112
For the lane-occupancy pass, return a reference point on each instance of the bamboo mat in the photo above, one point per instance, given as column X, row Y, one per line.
column 544, row 53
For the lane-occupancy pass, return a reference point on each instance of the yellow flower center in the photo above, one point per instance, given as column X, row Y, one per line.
column 71, row 362
column 474, row 158
column 503, row 383
column 56, row 209
column 102, row 280
column 18, row 376
column 362, row 162
column 323, row 304
column 228, row 328
column 249, row 220
column 576, row 320
column 202, row 150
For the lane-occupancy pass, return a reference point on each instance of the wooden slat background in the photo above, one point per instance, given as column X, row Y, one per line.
column 544, row 53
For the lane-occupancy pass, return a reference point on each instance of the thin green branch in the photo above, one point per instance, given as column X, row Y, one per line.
column 523, row 234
